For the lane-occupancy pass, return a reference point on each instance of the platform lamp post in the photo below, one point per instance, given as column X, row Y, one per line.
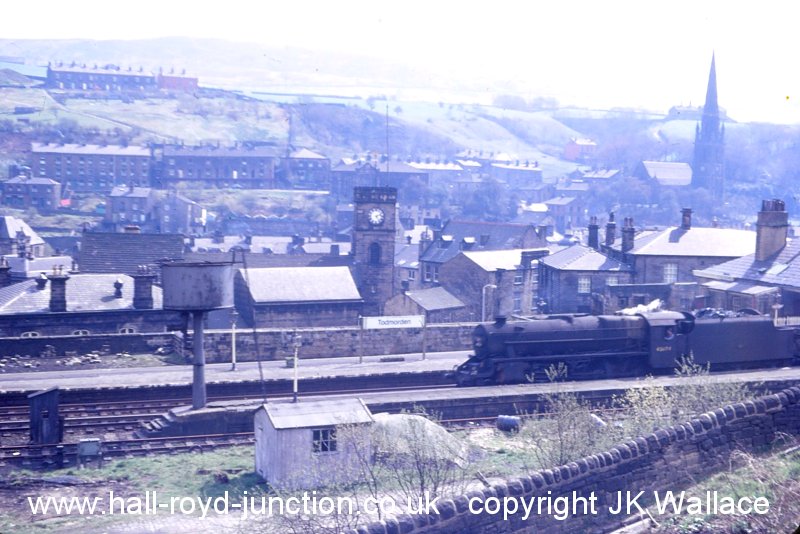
column 483, row 300
column 234, row 317
column 297, row 342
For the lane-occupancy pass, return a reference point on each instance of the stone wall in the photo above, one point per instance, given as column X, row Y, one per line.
column 58, row 346
column 332, row 342
column 272, row 343
column 669, row 459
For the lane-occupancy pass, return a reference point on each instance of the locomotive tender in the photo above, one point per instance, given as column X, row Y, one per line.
column 610, row 346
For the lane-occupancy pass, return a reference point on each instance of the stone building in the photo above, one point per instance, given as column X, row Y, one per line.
column 242, row 166
column 767, row 280
column 91, row 168
column 83, row 304
column 297, row 297
column 23, row 192
column 496, row 282
column 573, row 280
column 128, row 205
column 458, row 236
column 19, row 239
column 436, row 304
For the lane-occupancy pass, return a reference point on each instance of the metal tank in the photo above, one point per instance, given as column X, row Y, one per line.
column 197, row 287
column 200, row 286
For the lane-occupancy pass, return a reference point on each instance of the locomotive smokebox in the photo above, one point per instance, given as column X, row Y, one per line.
column 201, row 286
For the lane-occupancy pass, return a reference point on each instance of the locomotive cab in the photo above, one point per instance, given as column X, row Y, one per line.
column 668, row 337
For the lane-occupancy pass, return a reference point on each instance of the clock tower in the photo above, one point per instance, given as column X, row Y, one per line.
column 373, row 245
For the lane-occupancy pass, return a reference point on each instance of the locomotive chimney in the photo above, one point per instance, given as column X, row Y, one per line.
column 628, row 232
column 611, row 230
column 772, row 228
column 594, row 233
column 686, row 218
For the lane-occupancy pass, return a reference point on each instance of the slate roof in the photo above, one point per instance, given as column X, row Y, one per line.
column 273, row 260
column 491, row 260
column 317, row 413
column 783, row 269
column 498, row 236
column 696, row 241
column 96, row 150
column 29, row 268
column 670, row 173
column 85, row 293
column 221, row 152
column 9, row 226
column 434, row 298
column 305, row 153
column 350, row 165
column 285, row 285
column 31, row 181
column 130, row 192
column 406, row 256
column 582, row 258
column 560, row 201
column 105, row 252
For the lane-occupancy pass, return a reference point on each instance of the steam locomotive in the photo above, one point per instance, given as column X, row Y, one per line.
column 611, row 346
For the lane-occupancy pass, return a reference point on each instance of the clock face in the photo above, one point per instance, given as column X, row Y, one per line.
column 376, row 216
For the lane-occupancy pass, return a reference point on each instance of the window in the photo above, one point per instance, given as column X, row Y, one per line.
column 517, row 301
column 517, row 277
column 127, row 330
column 374, row 254
column 427, row 272
column 435, row 273
column 30, row 334
column 412, row 274
column 584, row 284
column 323, row 440
column 612, row 281
column 670, row 273
column 80, row 332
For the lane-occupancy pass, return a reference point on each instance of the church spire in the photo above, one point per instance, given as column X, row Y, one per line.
column 708, row 168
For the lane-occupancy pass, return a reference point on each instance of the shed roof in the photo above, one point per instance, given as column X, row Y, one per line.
column 301, row 284
column 434, row 298
column 582, row 258
column 671, row 173
column 317, row 413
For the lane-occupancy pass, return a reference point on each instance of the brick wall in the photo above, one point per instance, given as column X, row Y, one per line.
column 669, row 459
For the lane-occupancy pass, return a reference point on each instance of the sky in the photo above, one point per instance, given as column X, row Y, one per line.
column 626, row 53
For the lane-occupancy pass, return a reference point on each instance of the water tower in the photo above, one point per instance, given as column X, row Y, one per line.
column 197, row 288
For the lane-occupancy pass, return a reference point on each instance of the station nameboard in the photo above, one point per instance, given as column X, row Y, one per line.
column 393, row 321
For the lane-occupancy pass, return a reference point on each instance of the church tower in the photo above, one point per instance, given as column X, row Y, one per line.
column 373, row 245
column 708, row 168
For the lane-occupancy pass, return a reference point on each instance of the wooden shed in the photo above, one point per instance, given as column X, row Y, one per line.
column 300, row 445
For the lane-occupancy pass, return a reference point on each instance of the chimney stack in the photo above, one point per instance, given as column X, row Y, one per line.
column 528, row 256
column 611, row 230
column 118, row 288
column 686, row 218
column 143, row 288
column 5, row 272
column 772, row 228
column 628, row 232
column 58, row 289
column 594, row 233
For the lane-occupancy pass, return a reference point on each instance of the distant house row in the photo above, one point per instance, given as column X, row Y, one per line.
column 75, row 76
